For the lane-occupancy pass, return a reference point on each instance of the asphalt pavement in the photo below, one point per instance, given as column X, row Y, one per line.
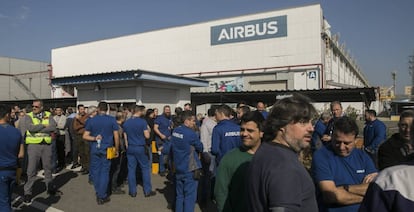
column 76, row 194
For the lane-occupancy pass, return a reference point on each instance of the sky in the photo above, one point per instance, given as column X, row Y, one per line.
column 379, row 34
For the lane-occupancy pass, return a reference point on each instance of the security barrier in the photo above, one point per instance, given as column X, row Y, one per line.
column 155, row 158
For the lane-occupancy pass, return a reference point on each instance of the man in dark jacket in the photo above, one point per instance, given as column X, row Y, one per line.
column 398, row 148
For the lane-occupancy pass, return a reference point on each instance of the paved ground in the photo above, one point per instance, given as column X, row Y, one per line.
column 78, row 195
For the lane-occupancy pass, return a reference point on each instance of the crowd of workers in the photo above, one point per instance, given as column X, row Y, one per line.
column 245, row 159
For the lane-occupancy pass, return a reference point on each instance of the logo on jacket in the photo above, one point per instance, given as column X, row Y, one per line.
column 178, row 135
column 228, row 134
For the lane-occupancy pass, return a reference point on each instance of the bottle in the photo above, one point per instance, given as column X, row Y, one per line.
column 98, row 143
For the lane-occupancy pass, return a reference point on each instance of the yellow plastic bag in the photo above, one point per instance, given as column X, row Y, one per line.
column 110, row 153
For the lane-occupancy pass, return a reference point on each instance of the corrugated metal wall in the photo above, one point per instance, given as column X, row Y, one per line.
column 23, row 79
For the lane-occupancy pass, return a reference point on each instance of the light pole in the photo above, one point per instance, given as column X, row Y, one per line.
column 394, row 77
column 411, row 71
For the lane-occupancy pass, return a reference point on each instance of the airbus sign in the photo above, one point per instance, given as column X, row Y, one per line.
column 249, row 30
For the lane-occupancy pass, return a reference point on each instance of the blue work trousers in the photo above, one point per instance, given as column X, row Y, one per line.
column 136, row 155
column 186, row 192
column 7, row 181
column 99, row 169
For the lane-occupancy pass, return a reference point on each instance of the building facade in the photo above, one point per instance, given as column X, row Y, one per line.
column 288, row 49
column 24, row 79
column 127, row 88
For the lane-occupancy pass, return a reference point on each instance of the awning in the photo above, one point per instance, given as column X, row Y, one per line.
column 366, row 95
column 133, row 75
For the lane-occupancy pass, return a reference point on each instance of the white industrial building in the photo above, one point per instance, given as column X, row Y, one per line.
column 282, row 50
column 22, row 79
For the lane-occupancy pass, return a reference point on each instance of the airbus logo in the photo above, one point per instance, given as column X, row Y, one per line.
column 249, row 30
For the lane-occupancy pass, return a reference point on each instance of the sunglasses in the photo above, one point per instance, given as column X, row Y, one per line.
column 35, row 106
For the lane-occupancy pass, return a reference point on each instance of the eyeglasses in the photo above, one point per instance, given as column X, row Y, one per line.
column 35, row 106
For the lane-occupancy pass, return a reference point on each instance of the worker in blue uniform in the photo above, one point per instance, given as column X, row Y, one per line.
column 320, row 128
column 102, row 129
column 185, row 145
column 11, row 149
column 136, row 130
column 162, row 129
column 375, row 133
column 226, row 134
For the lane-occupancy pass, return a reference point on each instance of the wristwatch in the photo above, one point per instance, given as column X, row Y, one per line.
column 346, row 187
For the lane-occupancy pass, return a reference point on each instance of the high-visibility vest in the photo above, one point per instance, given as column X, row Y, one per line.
column 36, row 138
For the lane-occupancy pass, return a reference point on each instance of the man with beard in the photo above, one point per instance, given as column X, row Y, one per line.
column 11, row 150
column 277, row 180
column 375, row 132
column 162, row 129
column 261, row 107
column 342, row 172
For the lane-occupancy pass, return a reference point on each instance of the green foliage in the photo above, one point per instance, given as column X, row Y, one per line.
column 352, row 112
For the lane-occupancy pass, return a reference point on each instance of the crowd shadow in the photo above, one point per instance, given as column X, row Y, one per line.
column 169, row 195
column 39, row 187
column 168, row 191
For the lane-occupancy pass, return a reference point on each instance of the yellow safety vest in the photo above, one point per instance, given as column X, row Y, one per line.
column 37, row 138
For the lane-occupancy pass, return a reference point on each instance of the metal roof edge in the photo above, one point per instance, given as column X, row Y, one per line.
column 308, row 90
column 128, row 75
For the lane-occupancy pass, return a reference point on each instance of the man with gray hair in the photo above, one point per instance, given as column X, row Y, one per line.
column 337, row 112
column 92, row 111
column 60, row 119
column 102, row 131
column 320, row 128
column 277, row 180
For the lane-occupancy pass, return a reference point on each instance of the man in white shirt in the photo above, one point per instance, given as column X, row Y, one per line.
column 207, row 160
